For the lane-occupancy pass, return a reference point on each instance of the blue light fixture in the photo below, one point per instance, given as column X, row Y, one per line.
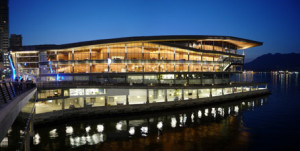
column 12, row 67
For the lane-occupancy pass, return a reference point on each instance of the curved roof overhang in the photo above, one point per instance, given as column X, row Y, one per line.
column 239, row 42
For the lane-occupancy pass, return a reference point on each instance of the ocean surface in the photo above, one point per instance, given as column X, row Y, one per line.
column 268, row 122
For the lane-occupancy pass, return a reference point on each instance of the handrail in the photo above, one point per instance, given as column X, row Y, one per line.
column 10, row 90
column 26, row 129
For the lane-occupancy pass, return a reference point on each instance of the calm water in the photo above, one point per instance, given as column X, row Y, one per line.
column 264, row 123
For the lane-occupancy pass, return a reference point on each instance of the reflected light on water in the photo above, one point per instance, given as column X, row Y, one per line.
column 131, row 131
column 199, row 114
column 144, row 130
column 100, row 128
column 87, row 129
column 69, row 130
column 173, row 122
column 119, row 126
column 36, row 139
column 159, row 125
column 213, row 112
column 206, row 112
column 53, row 133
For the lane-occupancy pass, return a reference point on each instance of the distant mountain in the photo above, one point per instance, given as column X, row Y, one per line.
column 271, row 62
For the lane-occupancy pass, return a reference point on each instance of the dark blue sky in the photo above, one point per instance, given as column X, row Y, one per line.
column 274, row 22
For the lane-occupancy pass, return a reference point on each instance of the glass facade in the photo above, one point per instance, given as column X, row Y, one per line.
column 76, row 98
column 129, row 57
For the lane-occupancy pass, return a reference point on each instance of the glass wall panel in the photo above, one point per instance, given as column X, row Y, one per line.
column 82, row 55
column 227, row 91
column 167, row 67
column 195, row 67
column 48, row 106
column 174, row 94
column 94, row 91
column 151, row 53
column 190, row 94
column 116, row 100
column 99, row 68
column 68, row 68
column 181, row 54
column 134, row 67
column 72, row 103
column 117, row 53
column 43, row 94
column 99, row 101
column 151, row 67
column 134, row 53
column 166, row 53
column 82, row 68
column 63, row 56
column 135, row 79
column 156, row 95
column 181, row 68
column 117, row 67
column 99, row 54
column 137, row 96
column 203, row 93
column 51, row 56
column 76, row 92
column 195, row 56
column 150, row 79
column 216, row 92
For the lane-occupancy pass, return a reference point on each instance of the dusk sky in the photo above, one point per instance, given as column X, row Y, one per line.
column 276, row 23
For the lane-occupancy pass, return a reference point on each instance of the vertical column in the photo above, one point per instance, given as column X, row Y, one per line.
column 108, row 57
column 90, row 67
column 105, row 99
column 63, row 104
column 56, row 58
column 244, row 52
column 166, row 96
column 201, row 55
column 197, row 93
column 174, row 54
column 147, row 101
column 201, row 47
column 159, row 52
column 232, row 90
column 73, row 68
column 143, row 51
column 127, row 102
column 210, row 92
column 222, row 91
column 125, row 53
column 90, row 53
column 182, row 94
column 73, row 54
column 213, row 46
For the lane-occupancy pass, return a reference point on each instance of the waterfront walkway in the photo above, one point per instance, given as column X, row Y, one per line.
column 13, row 97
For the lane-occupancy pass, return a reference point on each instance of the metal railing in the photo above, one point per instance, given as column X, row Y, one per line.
column 10, row 90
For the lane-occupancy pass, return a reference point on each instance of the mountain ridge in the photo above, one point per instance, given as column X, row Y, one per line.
column 274, row 62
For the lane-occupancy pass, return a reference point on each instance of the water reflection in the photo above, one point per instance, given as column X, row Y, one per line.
column 221, row 122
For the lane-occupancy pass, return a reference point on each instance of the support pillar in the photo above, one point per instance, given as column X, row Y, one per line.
column 210, row 92
column 127, row 101
column 147, row 101
column 105, row 99
column 182, row 94
column 166, row 96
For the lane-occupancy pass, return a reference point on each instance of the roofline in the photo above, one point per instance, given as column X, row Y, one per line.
column 140, row 38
